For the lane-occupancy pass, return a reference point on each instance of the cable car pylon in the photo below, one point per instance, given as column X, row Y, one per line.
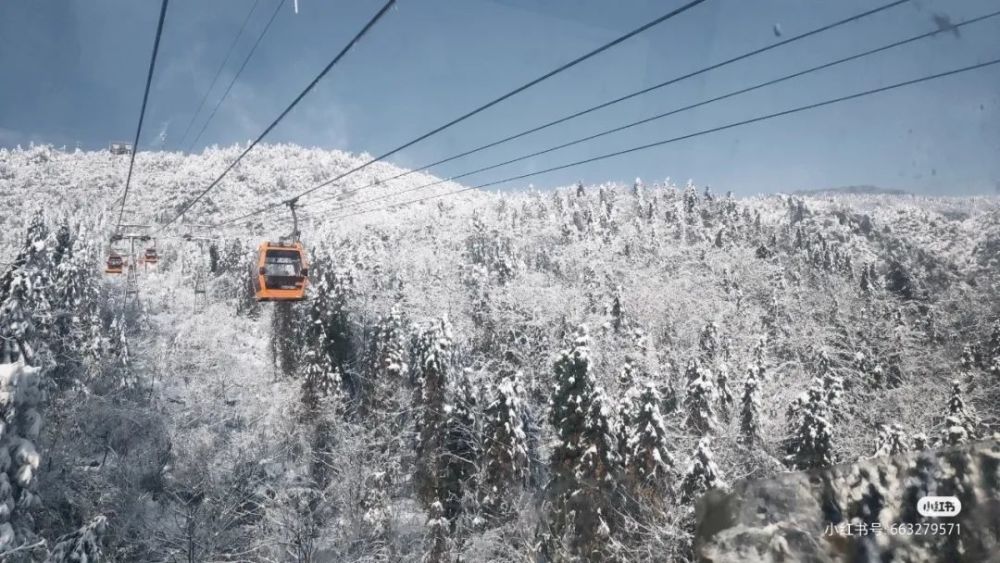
column 282, row 271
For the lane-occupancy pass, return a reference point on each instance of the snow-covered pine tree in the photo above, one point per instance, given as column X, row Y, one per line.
column 74, row 299
column 708, row 342
column 27, row 290
column 376, row 501
column 330, row 317
column 321, row 381
column 25, row 307
column 750, row 408
column 617, row 311
column 462, row 446
column 726, row 400
column 811, row 446
column 232, row 258
column 81, row 546
column 594, row 501
column 968, row 359
column 866, row 282
column 583, row 460
column 388, row 440
column 568, row 406
column 702, row 473
column 961, row 423
column 505, row 455
column 20, row 423
column 720, row 238
column 872, row 372
column 831, row 383
column 627, row 379
column 698, row 401
column 388, row 356
column 439, row 542
column 433, row 356
column 638, row 189
column 890, row 440
column 992, row 356
column 648, row 463
column 690, row 198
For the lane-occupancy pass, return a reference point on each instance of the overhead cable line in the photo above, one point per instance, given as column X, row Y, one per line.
column 142, row 112
column 229, row 87
column 758, row 86
column 684, row 137
column 371, row 23
column 489, row 104
column 626, row 97
column 218, row 73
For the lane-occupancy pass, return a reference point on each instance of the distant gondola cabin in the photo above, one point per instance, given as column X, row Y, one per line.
column 120, row 148
column 115, row 265
column 151, row 257
column 282, row 272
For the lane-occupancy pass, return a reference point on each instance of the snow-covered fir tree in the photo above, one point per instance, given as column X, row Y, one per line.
column 810, row 445
column 584, row 458
column 648, row 463
column 568, row 406
column 438, row 539
column 828, row 380
column 726, row 399
column 690, row 198
column 708, row 342
column 462, row 446
column 388, row 368
column 617, row 311
column 750, row 408
column 321, row 378
column 960, row 424
column 702, row 473
column 505, row 455
column 433, row 356
column 699, row 398
column 594, row 501
column 81, row 546
column 389, row 341
column 992, row 362
column 329, row 324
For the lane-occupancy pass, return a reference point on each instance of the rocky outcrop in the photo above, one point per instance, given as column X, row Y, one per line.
column 805, row 516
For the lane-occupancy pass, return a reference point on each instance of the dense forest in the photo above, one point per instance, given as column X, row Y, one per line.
column 552, row 375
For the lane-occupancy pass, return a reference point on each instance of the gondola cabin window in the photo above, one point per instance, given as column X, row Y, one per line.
column 282, row 263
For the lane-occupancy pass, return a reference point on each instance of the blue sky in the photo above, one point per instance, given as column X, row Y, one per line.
column 73, row 72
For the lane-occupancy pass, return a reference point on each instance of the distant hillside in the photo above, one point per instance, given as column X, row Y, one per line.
column 854, row 190
column 88, row 183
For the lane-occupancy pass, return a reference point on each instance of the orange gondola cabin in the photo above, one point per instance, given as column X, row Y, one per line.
column 282, row 272
column 150, row 256
column 115, row 265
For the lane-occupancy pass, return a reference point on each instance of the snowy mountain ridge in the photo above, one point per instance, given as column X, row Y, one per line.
column 89, row 182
